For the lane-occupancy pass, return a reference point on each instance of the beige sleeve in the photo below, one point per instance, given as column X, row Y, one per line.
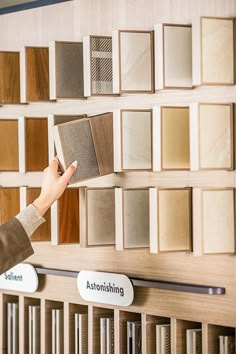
column 30, row 219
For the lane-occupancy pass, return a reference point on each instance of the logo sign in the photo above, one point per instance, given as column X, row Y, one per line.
column 105, row 288
column 22, row 277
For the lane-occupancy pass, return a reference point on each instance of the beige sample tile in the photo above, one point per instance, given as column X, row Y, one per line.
column 218, row 228
column 174, row 219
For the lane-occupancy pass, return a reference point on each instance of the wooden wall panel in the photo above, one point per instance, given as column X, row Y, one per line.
column 69, row 217
column 37, row 74
column 9, row 150
column 36, row 144
column 9, row 77
column 43, row 233
column 9, row 203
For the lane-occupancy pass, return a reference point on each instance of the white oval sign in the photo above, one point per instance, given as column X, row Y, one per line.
column 105, row 288
column 22, row 277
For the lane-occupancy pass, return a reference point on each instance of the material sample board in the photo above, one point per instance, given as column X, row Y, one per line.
column 9, row 203
column 9, row 77
column 9, row 151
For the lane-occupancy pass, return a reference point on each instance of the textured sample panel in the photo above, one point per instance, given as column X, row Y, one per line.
column 174, row 219
column 69, row 216
column 43, row 232
column 136, row 218
column 36, row 151
column 37, row 74
column 136, row 72
column 175, row 138
column 136, row 140
column 77, row 144
column 216, row 140
column 69, row 70
column 102, row 132
column 178, row 56
column 9, row 77
column 9, row 203
column 101, row 65
column 100, row 217
column 218, row 221
column 217, row 50
column 9, row 153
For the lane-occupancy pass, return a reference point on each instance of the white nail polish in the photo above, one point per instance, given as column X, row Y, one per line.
column 75, row 164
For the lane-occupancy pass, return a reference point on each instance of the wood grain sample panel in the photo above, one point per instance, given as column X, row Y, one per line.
column 136, row 61
column 102, row 132
column 216, row 136
column 218, row 221
column 36, row 144
column 136, row 140
column 136, row 218
column 69, row 216
column 217, row 50
column 100, row 217
column 9, row 77
column 9, row 203
column 37, row 73
column 43, row 232
column 9, row 150
column 69, row 70
column 177, row 56
column 175, row 138
column 174, row 220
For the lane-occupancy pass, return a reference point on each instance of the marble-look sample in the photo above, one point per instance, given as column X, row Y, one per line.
column 136, row 72
column 218, row 228
column 136, row 218
column 215, row 136
column 136, row 140
column 174, row 219
column 217, row 49
column 100, row 217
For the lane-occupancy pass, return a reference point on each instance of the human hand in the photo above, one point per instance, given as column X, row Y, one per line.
column 53, row 185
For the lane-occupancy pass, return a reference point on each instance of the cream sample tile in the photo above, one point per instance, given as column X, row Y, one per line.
column 174, row 219
column 216, row 141
column 218, row 221
column 136, row 139
column 175, row 138
column 135, row 61
column 136, row 218
column 217, row 51
column 178, row 56
column 100, row 216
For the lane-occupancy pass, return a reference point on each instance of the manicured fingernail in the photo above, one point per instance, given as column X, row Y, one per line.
column 75, row 164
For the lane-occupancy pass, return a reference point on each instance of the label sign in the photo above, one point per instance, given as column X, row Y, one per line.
column 22, row 277
column 105, row 288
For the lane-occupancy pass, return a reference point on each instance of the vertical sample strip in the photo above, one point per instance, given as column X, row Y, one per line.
column 100, row 217
column 37, row 74
column 217, row 50
column 9, row 203
column 69, row 70
column 136, row 218
column 9, row 77
column 136, row 139
column 216, row 136
column 69, row 216
column 174, row 219
column 43, row 232
column 136, row 61
column 218, row 214
column 101, row 65
column 177, row 56
column 9, row 150
column 175, row 138
column 36, row 144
